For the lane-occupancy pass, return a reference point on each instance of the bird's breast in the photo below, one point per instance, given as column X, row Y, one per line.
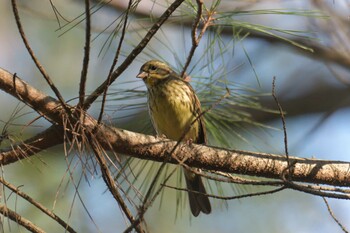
column 172, row 111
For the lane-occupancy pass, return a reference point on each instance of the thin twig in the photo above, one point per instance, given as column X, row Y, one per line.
column 84, row 70
column 333, row 216
column 57, row 13
column 137, row 50
column 283, row 124
column 239, row 180
column 309, row 189
column 108, row 178
column 36, row 61
column 289, row 182
column 229, row 178
column 318, row 51
column 196, row 39
column 20, row 220
column 229, row 197
column 38, row 205
column 115, row 60
column 69, row 143
column 147, row 204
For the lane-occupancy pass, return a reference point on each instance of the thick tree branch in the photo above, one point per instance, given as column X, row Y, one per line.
column 45, row 105
column 50, row 137
column 231, row 161
column 158, row 149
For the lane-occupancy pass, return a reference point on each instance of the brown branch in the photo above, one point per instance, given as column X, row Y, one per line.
column 323, row 191
column 342, row 227
column 42, row 141
column 86, row 59
column 195, row 39
column 45, row 105
column 283, row 121
column 231, row 161
column 109, row 180
column 20, row 220
column 310, row 189
column 146, row 204
column 210, row 158
column 38, row 205
column 262, row 193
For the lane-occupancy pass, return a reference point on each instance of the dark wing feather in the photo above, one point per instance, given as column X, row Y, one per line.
column 202, row 134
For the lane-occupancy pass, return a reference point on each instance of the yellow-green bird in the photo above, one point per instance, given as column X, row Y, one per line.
column 173, row 107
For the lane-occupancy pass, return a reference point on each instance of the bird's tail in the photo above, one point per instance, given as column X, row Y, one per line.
column 198, row 201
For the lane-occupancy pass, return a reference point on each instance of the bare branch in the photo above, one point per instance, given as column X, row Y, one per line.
column 334, row 217
column 44, row 140
column 195, row 39
column 20, row 220
column 283, row 121
column 45, row 105
column 108, row 178
column 231, row 197
column 201, row 156
column 231, row 161
column 84, row 70
column 38, row 205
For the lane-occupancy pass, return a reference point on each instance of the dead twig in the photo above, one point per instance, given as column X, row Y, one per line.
column 229, row 197
column 86, row 58
column 196, row 39
column 20, row 220
column 334, row 217
column 283, row 124
column 37, row 205
column 108, row 178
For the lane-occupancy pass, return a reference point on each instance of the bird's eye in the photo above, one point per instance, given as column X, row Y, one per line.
column 152, row 67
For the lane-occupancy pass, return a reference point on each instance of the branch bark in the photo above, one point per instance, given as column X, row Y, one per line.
column 158, row 149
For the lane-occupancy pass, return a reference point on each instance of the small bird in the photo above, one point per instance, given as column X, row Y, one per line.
column 173, row 106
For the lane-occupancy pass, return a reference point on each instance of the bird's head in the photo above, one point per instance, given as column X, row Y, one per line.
column 152, row 72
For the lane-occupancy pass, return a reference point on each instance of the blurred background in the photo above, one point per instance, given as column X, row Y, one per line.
column 312, row 87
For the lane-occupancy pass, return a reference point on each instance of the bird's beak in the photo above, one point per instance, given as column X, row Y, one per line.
column 142, row 75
